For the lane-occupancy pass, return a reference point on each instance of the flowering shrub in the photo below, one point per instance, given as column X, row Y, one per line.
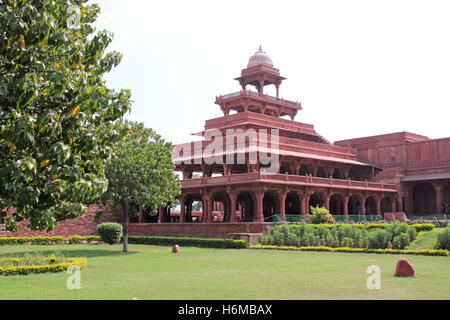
column 320, row 215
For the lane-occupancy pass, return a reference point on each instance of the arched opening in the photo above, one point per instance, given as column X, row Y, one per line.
column 321, row 172
column 337, row 204
column 245, row 207
column 316, row 200
column 424, row 199
column 292, row 204
column 192, row 203
column 286, row 168
column 304, row 170
column 354, row 205
column 337, row 173
column 221, row 210
column 371, row 206
column 386, row 205
column 446, row 199
column 354, row 173
column 271, row 206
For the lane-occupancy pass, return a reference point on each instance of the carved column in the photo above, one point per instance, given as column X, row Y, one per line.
column 306, row 198
column 346, row 199
column 438, row 188
column 182, row 209
column 233, row 198
column 378, row 201
column 363, row 205
column 282, row 198
column 393, row 206
column 259, row 214
column 301, row 209
column 206, row 207
column 326, row 200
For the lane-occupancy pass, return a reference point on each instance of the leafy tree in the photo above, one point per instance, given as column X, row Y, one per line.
column 56, row 114
column 141, row 173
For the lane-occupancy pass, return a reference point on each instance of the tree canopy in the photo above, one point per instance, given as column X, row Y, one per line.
column 56, row 113
column 141, row 173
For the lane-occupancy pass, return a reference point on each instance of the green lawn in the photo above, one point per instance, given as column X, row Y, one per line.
column 152, row 272
column 428, row 240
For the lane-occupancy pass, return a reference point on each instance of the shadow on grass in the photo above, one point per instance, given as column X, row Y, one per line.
column 69, row 253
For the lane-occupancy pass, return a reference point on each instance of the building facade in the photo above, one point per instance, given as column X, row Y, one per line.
column 255, row 166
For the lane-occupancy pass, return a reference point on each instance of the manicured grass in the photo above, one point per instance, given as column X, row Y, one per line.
column 428, row 240
column 152, row 272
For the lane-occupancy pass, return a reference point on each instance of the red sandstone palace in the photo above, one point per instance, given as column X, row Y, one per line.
column 390, row 176
column 381, row 176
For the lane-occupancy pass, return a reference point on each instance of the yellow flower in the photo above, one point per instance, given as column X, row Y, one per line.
column 135, row 299
column 78, row 64
column 75, row 110
column 44, row 163
column 22, row 42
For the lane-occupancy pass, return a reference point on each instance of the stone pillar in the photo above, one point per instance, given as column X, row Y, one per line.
column 438, row 189
column 346, row 199
column 345, row 173
column 206, row 208
column 393, row 201
column 259, row 214
column 182, row 210
column 363, row 205
column 326, row 200
column 378, row 200
column 233, row 198
column 282, row 198
column 314, row 170
column 301, row 207
column 306, row 198
column 296, row 168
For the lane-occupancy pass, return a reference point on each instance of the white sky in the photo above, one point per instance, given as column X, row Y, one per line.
column 359, row 67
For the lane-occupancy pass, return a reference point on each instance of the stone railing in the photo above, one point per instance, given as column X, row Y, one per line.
column 289, row 179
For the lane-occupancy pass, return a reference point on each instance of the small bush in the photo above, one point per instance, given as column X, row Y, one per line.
column 110, row 232
column 321, row 215
column 443, row 239
column 378, row 239
column 401, row 241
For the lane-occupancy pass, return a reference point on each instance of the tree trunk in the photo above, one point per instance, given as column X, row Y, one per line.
column 125, row 229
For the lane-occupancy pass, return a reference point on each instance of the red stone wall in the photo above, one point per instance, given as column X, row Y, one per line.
column 83, row 226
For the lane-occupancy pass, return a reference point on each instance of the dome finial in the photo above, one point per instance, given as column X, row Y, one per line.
column 260, row 57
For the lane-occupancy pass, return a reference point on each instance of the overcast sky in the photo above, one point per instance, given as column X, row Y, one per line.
column 358, row 67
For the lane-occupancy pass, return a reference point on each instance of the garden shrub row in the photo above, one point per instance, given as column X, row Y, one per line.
column 189, row 242
column 46, row 268
column 443, row 239
column 396, row 235
column 48, row 240
column 426, row 252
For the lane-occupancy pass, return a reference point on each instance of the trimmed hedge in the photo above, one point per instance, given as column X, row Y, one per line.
column 396, row 235
column 425, row 252
column 110, row 232
column 189, row 242
column 48, row 240
column 34, row 269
